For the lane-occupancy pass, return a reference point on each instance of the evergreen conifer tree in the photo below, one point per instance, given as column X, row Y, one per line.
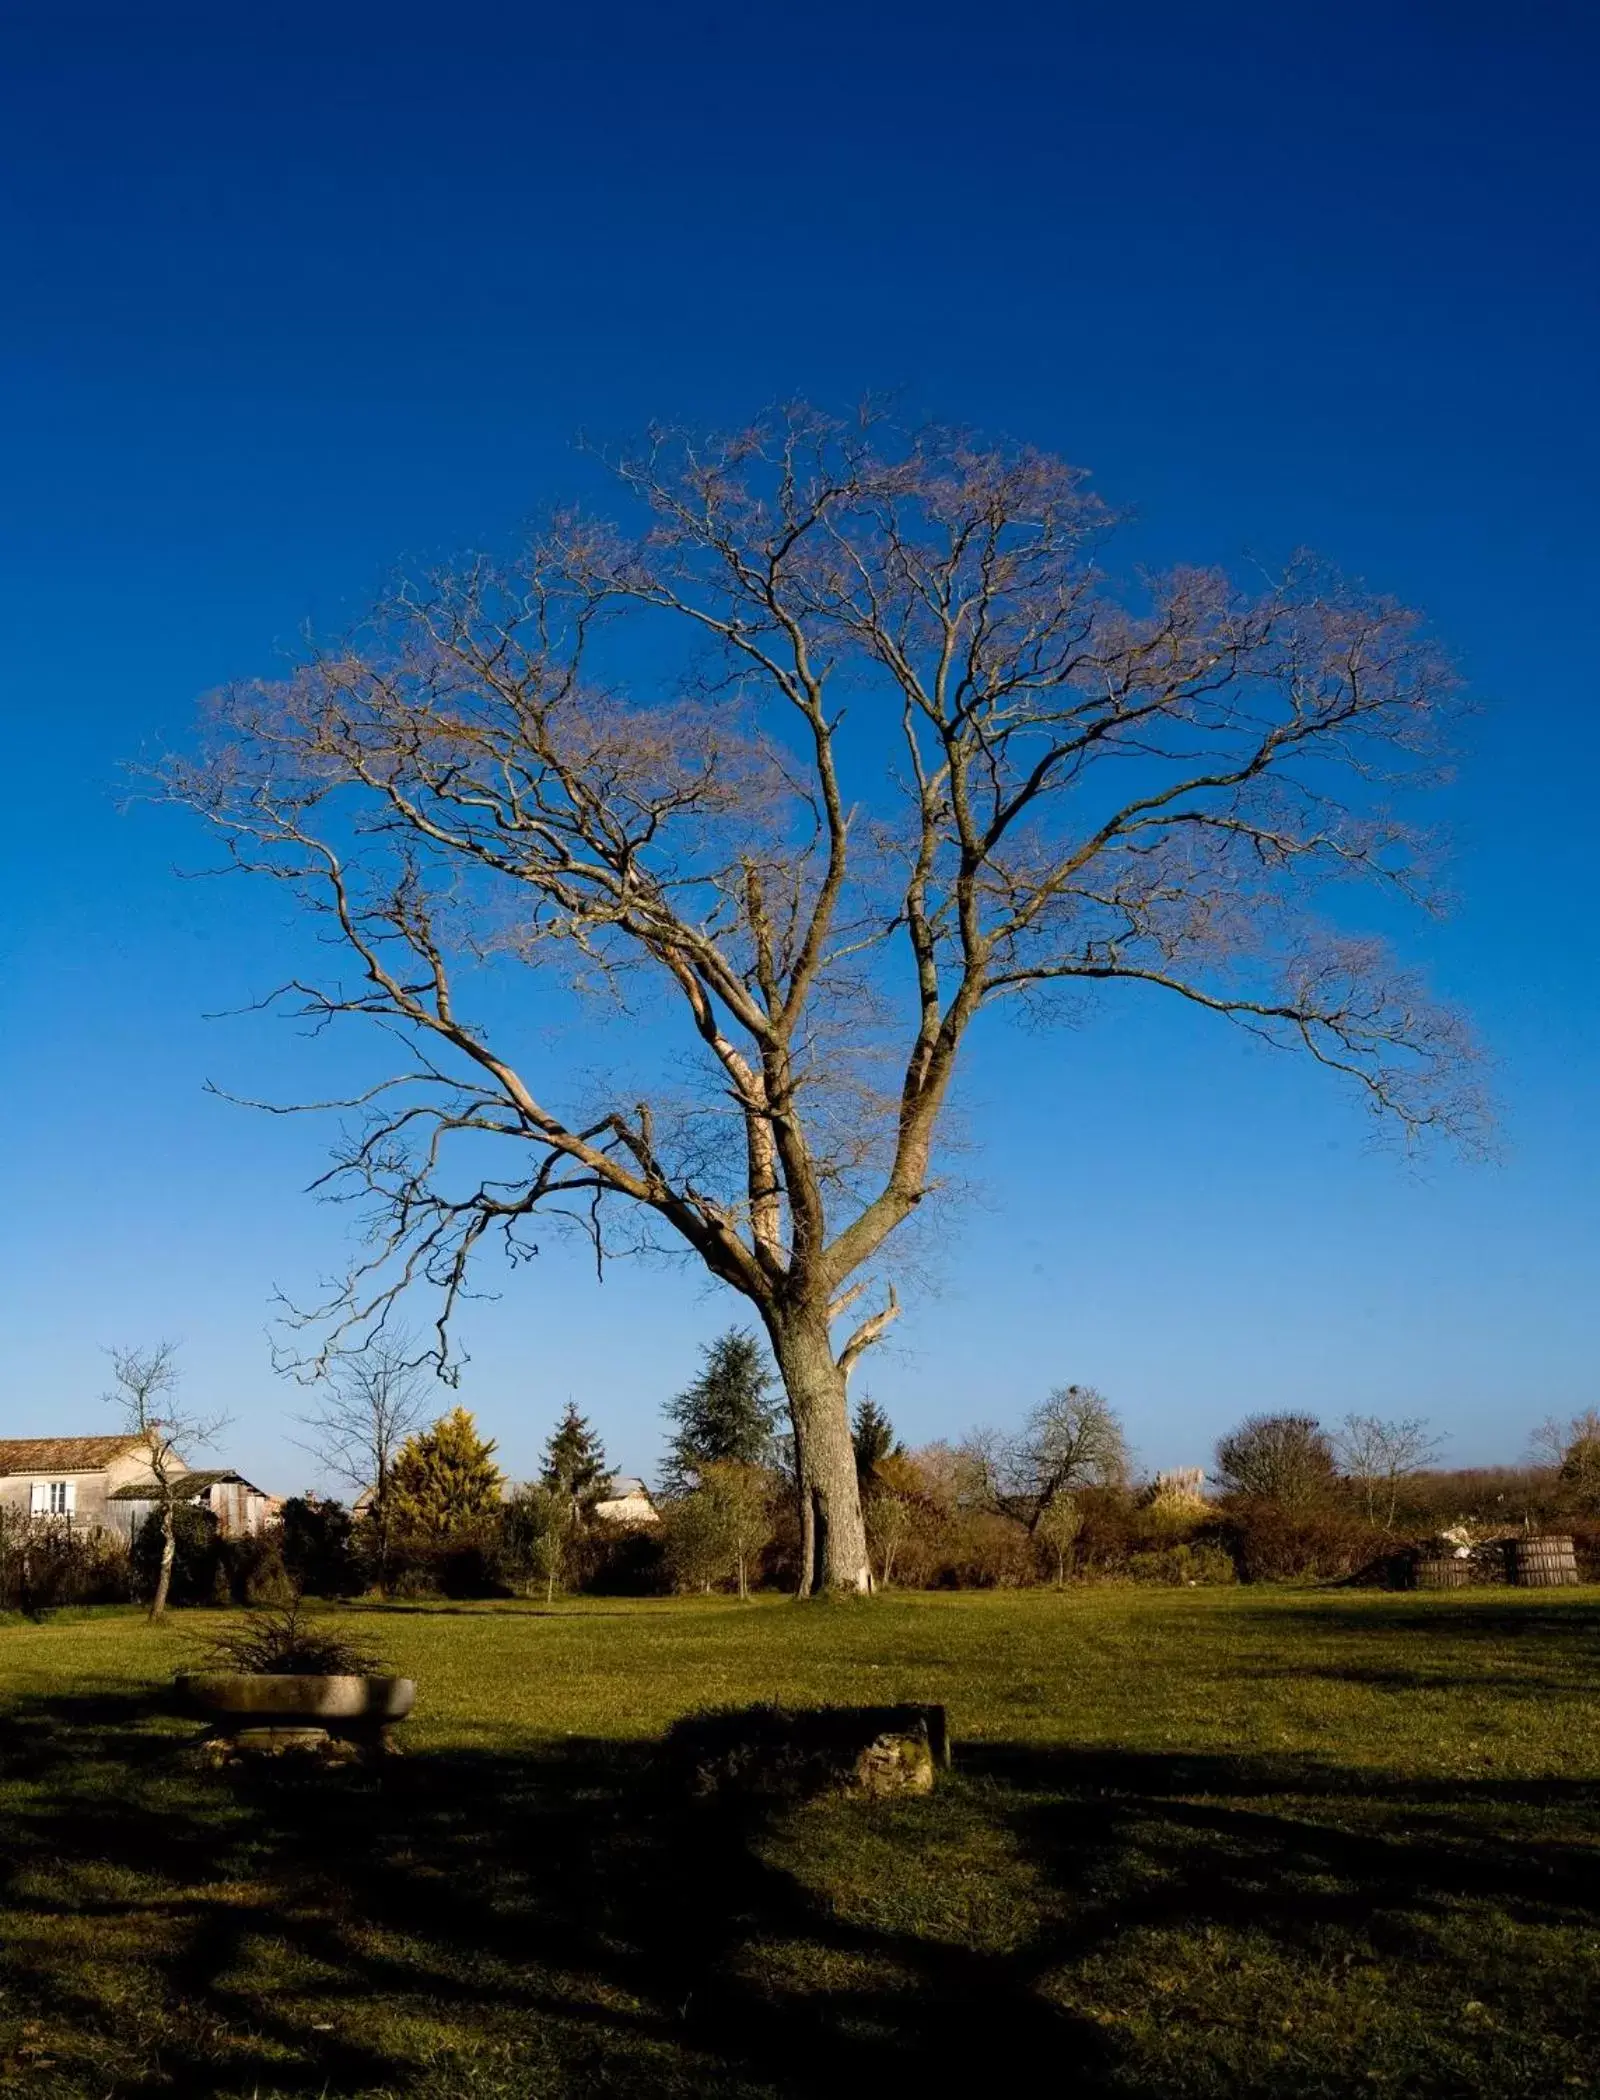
column 575, row 1463
column 444, row 1479
column 873, row 1436
column 726, row 1415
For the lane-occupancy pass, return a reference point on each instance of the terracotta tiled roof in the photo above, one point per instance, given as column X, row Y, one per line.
column 61, row 1454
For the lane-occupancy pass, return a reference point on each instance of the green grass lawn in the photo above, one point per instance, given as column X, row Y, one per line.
column 1196, row 1843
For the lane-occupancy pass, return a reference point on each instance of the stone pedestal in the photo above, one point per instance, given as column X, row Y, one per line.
column 325, row 1720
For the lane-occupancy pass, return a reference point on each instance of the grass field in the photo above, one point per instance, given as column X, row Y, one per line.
column 1196, row 1843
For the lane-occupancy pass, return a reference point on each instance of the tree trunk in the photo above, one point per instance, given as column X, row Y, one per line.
column 169, row 1549
column 833, row 1538
column 382, row 1555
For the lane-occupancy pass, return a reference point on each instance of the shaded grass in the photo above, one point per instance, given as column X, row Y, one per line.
column 1197, row 1843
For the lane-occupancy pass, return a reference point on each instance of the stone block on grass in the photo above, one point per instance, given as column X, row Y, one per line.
column 810, row 1753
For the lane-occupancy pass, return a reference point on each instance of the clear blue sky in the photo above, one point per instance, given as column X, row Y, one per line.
column 290, row 293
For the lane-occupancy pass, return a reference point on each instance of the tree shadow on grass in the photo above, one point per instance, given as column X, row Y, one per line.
column 1482, row 1614
column 1496, row 1642
column 560, row 1919
column 1298, row 1875
column 564, row 1920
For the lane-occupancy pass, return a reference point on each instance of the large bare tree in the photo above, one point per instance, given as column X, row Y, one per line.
column 840, row 740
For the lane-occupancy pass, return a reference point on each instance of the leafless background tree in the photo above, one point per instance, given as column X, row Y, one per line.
column 1378, row 1456
column 847, row 740
column 145, row 1394
column 1572, row 1450
column 1073, row 1439
column 1550, row 1442
column 367, row 1406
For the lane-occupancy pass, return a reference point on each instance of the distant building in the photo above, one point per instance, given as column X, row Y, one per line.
column 626, row 1501
column 241, row 1509
column 69, row 1476
column 106, row 1482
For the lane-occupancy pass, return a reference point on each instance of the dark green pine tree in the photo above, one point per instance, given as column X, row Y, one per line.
column 873, row 1436
column 727, row 1413
column 575, row 1463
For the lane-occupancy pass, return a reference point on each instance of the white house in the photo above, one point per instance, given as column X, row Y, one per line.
column 626, row 1501
column 106, row 1482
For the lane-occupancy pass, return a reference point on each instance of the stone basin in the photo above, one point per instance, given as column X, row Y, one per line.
column 234, row 1698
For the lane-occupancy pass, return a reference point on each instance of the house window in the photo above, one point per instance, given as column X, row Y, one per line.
column 53, row 1498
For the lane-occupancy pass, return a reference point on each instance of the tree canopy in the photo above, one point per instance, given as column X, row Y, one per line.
column 444, row 1479
column 575, row 1463
column 1072, row 1439
column 726, row 1413
column 1280, row 1458
column 872, row 1434
column 841, row 738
